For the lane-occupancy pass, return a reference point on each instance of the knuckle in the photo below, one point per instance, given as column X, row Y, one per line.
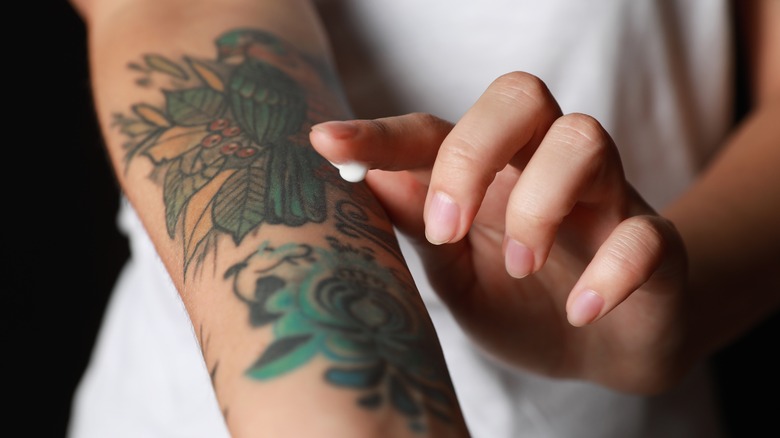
column 534, row 213
column 584, row 134
column 427, row 119
column 586, row 125
column 539, row 221
column 433, row 128
column 465, row 156
column 519, row 86
column 379, row 127
column 469, row 151
column 637, row 247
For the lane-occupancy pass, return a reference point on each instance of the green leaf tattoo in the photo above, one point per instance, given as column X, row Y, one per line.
column 231, row 134
column 196, row 106
column 237, row 205
column 339, row 303
column 164, row 65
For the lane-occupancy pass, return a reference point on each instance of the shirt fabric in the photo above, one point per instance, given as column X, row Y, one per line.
column 656, row 74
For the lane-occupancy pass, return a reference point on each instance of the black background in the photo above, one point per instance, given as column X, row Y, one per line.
column 65, row 252
column 59, row 211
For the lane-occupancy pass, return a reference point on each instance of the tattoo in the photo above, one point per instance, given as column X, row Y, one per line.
column 230, row 143
column 352, row 221
column 339, row 303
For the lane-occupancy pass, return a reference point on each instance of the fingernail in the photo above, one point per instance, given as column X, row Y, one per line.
column 519, row 259
column 442, row 220
column 585, row 308
column 337, row 129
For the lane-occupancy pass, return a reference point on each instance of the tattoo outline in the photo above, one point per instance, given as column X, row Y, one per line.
column 229, row 147
column 229, row 144
column 339, row 303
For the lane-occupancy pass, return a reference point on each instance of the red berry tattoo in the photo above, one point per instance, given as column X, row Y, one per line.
column 231, row 131
column 246, row 152
column 230, row 148
column 219, row 124
column 211, row 140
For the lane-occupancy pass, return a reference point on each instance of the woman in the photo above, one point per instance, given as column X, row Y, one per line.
column 576, row 294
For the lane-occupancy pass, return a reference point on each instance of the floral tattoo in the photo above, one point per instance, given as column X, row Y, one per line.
column 339, row 303
column 229, row 145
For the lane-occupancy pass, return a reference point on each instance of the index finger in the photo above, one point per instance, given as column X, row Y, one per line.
column 405, row 142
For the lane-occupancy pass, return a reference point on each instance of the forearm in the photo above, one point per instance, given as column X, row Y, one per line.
column 729, row 223
column 307, row 316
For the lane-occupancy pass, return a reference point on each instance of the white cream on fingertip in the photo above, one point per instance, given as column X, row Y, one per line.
column 352, row 171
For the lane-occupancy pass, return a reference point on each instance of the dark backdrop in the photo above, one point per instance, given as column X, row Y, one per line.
column 59, row 212
column 65, row 252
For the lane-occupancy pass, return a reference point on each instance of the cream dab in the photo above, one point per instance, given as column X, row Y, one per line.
column 352, row 172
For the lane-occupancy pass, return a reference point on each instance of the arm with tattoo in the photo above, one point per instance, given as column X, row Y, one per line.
column 306, row 313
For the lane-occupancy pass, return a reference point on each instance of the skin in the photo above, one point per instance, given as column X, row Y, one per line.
column 292, row 278
column 639, row 334
column 551, row 260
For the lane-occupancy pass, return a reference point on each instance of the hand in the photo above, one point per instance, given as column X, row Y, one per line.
column 531, row 234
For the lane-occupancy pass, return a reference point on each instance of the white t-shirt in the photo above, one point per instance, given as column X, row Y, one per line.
column 657, row 75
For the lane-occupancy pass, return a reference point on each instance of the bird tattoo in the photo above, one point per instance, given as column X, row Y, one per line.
column 271, row 107
column 230, row 144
